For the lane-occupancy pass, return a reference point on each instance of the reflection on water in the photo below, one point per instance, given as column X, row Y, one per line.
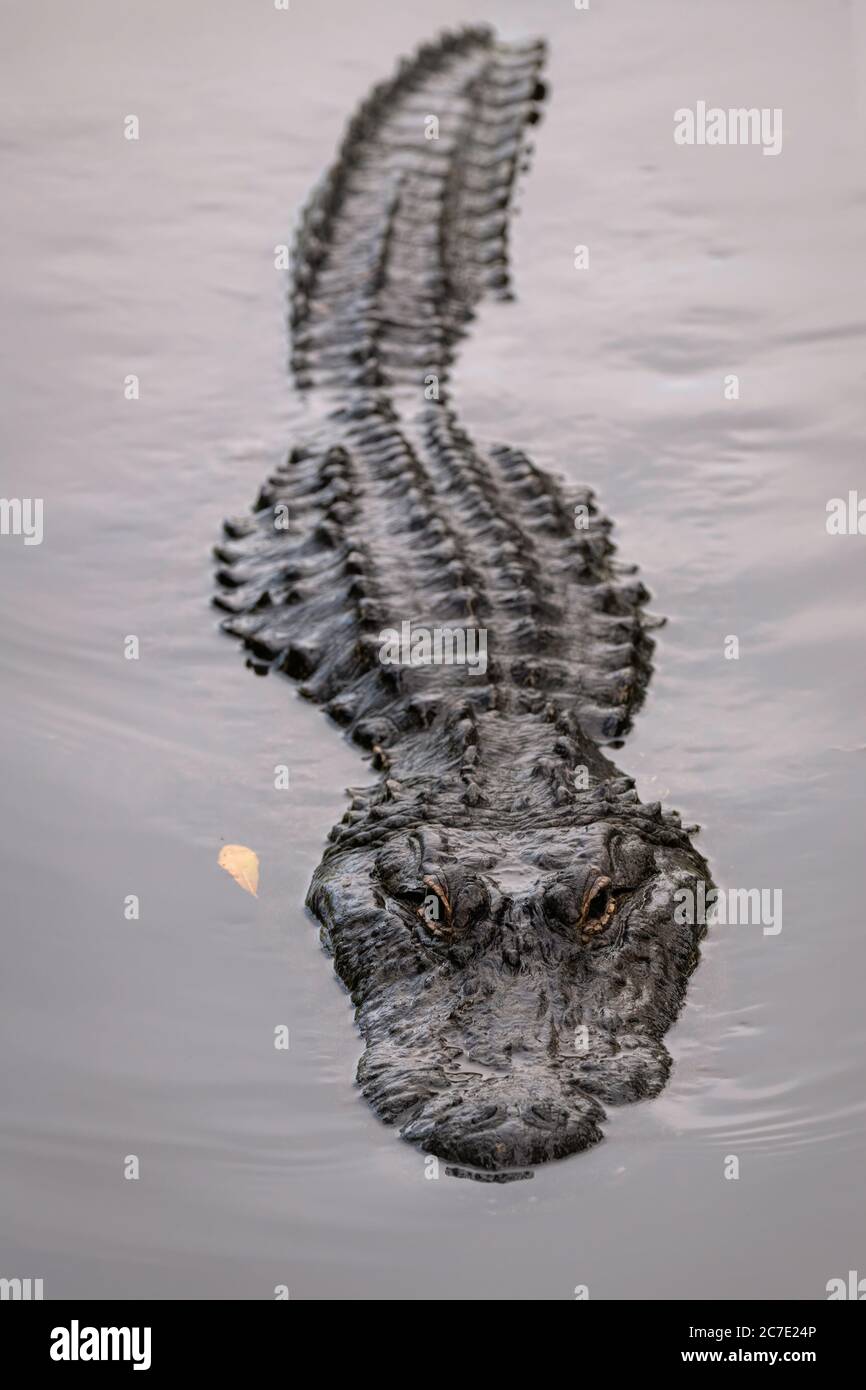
column 154, row 1036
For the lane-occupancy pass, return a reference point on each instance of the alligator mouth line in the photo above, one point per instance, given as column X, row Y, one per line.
column 498, row 901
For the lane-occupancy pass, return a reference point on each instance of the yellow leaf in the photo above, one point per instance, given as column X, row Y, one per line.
column 243, row 865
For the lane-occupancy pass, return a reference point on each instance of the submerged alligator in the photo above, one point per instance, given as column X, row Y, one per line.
column 500, row 904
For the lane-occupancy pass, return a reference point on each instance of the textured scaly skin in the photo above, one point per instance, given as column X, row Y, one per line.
column 499, row 903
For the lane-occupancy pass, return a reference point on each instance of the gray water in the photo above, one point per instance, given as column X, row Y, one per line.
column 154, row 1037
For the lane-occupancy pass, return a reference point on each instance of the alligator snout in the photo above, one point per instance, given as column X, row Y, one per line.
column 501, row 1124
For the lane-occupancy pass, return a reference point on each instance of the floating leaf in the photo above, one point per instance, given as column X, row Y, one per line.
column 243, row 865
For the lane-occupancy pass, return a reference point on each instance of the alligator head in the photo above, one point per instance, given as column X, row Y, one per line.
column 508, row 979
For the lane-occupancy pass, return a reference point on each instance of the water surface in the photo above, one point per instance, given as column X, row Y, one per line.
column 156, row 258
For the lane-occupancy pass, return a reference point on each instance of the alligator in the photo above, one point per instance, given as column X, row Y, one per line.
column 499, row 902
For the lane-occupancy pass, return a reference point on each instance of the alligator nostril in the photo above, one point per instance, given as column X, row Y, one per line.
column 547, row 1114
column 486, row 1114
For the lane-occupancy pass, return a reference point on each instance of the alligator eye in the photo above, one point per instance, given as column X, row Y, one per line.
column 435, row 907
column 597, row 908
